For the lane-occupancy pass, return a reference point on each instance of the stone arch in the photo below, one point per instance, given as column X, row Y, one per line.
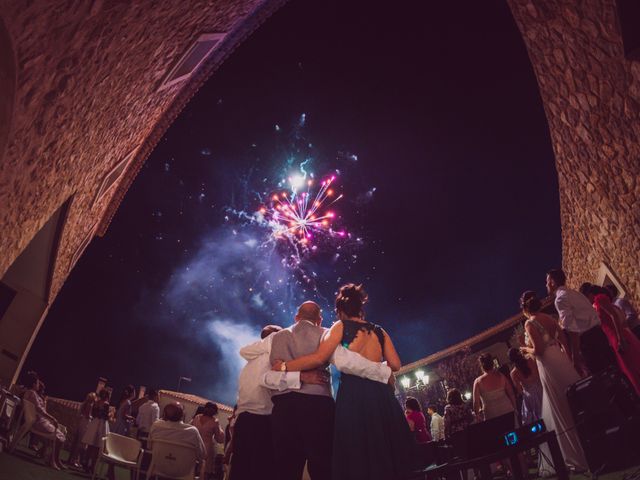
column 7, row 86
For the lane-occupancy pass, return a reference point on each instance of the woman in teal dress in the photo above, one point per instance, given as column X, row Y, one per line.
column 372, row 440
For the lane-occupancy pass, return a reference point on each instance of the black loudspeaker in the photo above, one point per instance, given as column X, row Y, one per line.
column 606, row 411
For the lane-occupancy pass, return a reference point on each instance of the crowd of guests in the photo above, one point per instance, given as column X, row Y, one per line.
column 97, row 417
column 286, row 417
column 595, row 331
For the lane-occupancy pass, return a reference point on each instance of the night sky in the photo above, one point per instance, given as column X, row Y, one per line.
column 431, row 116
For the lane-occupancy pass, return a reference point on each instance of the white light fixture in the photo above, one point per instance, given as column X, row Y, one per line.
column 419, row 374
column 467, row 395
column 405, row 381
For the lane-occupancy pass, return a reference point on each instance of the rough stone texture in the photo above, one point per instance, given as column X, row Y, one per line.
column 591, row 95
column 87, row 95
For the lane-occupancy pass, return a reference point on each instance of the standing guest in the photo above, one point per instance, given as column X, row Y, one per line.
column 172, row 429
column 97, row 428
column 123, row 414
column 148, row 414
column 228, row 433
column 544, row 339
column 371, row 438
column 437, row 423
column 587, row 343
column 210, row 431
column 84, row 417
column 492, row 393
column 630, row 313
column 415, row 419
column 622, row 340
column 526, row 379
column 45, row 425
column 457, row 414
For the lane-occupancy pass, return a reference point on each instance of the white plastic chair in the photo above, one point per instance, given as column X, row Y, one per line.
column 29, row 415
column 173, row 460
column 121, row 451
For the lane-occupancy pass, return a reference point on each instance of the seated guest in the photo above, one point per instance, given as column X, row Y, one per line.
column 148, row 414
column 171, row 428
column 492, row 393
column 630, row 313
column 526, row 379
column 84, row 417
column 415, row 419
column 437, row 424
column 457, row 414
column 45, row 426
column 210, row 431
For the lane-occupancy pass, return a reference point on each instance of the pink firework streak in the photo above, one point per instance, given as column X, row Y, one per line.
column 299, row 216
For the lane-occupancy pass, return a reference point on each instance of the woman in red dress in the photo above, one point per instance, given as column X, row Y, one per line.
column 622, row 340
column 416, row 420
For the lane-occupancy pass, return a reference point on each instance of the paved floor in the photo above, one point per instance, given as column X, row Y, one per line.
column 23, row 465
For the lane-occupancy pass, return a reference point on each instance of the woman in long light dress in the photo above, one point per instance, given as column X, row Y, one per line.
column 544, row 340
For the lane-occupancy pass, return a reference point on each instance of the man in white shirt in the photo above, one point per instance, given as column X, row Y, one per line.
column 437, row 424
column 148, row 414
column 588, row 343
column 173, row 429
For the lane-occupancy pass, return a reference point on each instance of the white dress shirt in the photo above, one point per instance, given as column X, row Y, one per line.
column 148, row 414
column 179, row 432
column 576, row 312
column 252, row 396
column 437, row 427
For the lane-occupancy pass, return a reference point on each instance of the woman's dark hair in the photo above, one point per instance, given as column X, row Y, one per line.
column 598, row 290
column 103, row 395
column 486, row 362
column 454, row 397
column 613, row 290
column 516, row 357
column 210, row 409
column 351, row 299
column 529, row 302
column 412, row 404
column 585, row 289
column 31, row 379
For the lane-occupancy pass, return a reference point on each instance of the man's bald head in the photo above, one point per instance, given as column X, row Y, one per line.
column 173, row 412
column 309, row 311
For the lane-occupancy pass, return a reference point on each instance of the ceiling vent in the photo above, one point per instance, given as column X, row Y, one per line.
column 195, row 55
column 113, row 176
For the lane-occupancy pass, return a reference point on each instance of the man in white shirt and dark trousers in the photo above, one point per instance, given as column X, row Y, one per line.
column 251, row 442
column 588, row 343
column 148, row 414
column 437, row 424
column 303, row 419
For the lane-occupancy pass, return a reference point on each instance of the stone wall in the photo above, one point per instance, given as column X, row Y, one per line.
column 87, row 96
column 591, row 95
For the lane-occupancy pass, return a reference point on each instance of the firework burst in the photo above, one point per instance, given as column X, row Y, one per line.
column 301, row 214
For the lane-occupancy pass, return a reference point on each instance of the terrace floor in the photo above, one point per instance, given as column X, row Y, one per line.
column 24, row 465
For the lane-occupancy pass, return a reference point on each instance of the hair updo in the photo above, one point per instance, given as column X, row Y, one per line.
column 351, row 299
column 529, row 302
column 486, row 362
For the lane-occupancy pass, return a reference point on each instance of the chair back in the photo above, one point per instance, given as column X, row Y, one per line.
column 120, row 447
column 172, row 460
